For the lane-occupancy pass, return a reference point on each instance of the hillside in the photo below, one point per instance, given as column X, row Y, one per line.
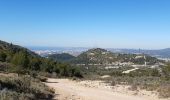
column 9, row 47
column 21, row 73
column 102, row 56
column 18, row 59
column 95, row 56
column 61, row 57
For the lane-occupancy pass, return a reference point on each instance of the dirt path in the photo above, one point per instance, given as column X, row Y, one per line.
column 128, row 71
column 71, row 90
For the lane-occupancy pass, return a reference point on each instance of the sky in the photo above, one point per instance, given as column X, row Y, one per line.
column 86, row 23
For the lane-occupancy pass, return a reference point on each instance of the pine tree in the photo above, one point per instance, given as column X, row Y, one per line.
column 3, row 56
column 21, row 59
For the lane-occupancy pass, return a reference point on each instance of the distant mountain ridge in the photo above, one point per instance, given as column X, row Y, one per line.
column 162, row 53
column 75, row 51
column 104, row 57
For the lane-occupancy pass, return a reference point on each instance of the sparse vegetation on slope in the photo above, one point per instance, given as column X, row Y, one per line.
column 150, row 79
column 104, row 57
column 15, row 87
column 95, row 56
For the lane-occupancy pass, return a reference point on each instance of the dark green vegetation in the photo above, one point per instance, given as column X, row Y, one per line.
column 64, row 57
column 13, row 87
column 21, row 60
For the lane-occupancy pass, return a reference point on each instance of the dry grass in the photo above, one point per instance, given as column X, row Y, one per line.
column 23, row 88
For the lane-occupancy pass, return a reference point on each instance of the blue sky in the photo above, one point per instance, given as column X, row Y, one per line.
column 86, row 23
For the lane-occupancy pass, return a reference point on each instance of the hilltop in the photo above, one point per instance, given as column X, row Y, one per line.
column 95, row 56
column 104, row 57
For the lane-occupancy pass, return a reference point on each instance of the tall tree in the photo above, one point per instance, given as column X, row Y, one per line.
column 3, row 56
column 21, row 59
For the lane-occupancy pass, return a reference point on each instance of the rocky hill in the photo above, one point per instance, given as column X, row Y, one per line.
column 96, row 56
column 102, row 56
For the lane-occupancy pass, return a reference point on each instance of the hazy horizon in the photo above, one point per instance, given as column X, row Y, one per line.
column 55, row 48
column 131, row 24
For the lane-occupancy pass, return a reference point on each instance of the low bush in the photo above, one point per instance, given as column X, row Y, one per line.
column 42, row 78
column 23, row 88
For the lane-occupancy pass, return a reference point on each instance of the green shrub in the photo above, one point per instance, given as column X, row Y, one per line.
column 42, row 78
